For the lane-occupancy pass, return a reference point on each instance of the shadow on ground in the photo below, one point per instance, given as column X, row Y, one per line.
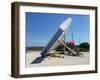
column 38, row 60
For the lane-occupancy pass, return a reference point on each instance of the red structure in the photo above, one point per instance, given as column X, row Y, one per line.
column 72, row 42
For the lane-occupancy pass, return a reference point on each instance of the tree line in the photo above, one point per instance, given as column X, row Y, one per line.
column 82, row 47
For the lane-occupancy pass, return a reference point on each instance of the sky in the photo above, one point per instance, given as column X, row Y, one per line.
column 40, row 28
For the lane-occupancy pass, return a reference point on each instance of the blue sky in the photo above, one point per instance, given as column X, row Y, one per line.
column 40, row 27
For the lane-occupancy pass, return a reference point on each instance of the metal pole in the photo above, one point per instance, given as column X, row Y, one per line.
column 64, row 42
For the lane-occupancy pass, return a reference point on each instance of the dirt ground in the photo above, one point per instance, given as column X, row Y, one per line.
column 55, row 61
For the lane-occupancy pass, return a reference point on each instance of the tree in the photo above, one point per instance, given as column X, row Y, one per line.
column 84, row 46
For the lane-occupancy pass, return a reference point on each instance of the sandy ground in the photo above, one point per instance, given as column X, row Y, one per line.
column 67, row 60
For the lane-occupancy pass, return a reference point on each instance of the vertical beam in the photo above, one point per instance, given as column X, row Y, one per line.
column 64, row 41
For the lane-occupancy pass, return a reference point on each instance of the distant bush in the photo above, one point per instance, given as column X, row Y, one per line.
column 34, row 48
column 84, row 46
